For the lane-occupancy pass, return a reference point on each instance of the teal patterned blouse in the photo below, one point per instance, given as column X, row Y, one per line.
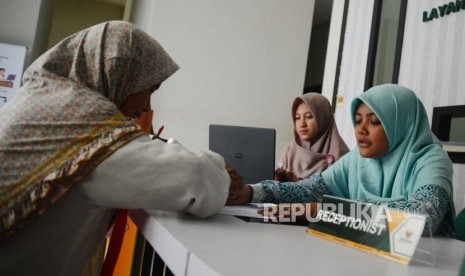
column 429, row 199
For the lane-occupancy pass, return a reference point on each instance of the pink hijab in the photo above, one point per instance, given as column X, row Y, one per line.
column 305, row 158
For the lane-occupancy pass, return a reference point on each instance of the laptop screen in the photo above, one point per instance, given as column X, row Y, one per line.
column 250, row 150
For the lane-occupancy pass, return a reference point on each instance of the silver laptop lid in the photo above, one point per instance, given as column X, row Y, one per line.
column 250, row 150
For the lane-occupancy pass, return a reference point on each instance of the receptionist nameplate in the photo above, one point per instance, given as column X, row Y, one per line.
column 377, row 229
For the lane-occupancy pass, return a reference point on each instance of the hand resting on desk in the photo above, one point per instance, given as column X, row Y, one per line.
column 283, row 175
column 239, row 193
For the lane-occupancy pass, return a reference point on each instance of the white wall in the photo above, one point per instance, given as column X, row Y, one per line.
column 433, row 65
column 433, row 56
column 332, row 52
column 142, row 13
column 353, row 64
column 242, row 63
column 26, row 23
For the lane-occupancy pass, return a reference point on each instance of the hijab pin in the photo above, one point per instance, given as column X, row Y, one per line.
column 157, row 136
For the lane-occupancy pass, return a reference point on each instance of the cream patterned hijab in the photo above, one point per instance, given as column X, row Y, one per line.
column 65, row 118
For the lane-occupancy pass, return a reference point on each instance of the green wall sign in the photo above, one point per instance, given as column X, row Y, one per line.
column 444, row 10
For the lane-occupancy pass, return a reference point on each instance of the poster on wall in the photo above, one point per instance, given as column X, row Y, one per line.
column 11, row 70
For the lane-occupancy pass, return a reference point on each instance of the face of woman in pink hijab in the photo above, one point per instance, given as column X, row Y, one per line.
column 304, row 122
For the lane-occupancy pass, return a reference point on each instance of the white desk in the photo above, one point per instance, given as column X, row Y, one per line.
column 226, row 245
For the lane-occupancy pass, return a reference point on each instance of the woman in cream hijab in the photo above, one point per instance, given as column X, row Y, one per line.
column 71, row 154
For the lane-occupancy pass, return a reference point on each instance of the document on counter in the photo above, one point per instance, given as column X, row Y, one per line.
column 247, row 210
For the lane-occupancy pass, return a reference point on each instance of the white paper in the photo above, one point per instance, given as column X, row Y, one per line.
column 246, row 210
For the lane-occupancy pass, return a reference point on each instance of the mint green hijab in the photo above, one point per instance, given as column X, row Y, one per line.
column 414, row 157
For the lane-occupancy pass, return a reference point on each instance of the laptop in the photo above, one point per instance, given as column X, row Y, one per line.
column 250, row 150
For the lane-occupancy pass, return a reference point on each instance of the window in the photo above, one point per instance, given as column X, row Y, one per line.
column 385, row 42
column 447, row 125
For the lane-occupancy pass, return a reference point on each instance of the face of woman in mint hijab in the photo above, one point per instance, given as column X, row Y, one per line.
column 369, row 132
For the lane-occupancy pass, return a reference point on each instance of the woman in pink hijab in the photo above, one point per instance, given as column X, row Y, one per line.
column 317, row 143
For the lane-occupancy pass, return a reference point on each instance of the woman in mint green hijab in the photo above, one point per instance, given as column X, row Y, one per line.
column 397, row 161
